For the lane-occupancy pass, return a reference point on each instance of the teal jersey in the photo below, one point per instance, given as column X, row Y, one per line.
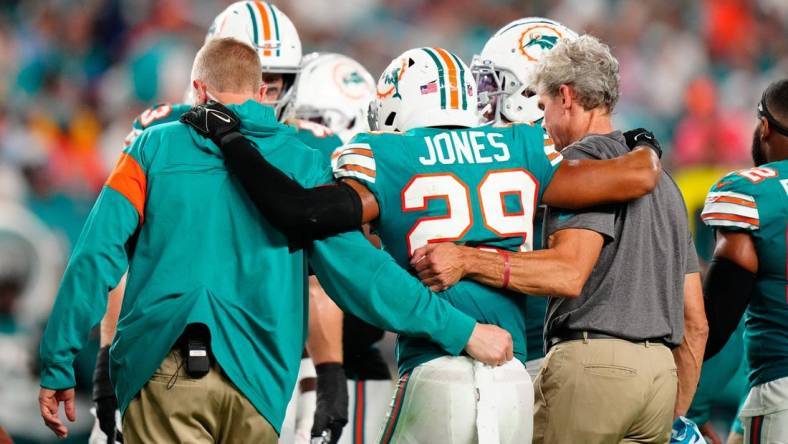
column 311, row 134
column 197, row 251
column 755, row 201
column 477, row 186
column 155, row 115
column 316, row 136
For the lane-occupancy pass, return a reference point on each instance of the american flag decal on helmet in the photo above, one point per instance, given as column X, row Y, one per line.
column 429, row 88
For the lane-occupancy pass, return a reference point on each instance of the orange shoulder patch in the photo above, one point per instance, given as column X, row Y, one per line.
column 128, row 179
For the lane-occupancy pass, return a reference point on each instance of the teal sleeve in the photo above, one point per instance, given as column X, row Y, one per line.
column 368, row 283
column 543, row 157
column 95, row 267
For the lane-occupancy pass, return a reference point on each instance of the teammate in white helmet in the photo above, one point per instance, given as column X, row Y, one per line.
column 276, row 41
column 503, row 75
column 271, row 33
column 504, row 68
column 433, row 175
column 335, row 91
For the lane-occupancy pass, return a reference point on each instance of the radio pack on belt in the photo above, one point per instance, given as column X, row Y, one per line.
column 196, row 340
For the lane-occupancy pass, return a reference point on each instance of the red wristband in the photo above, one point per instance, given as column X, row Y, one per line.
column 506, row 269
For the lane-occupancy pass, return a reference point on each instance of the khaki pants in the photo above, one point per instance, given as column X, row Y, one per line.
column 605, row 391
column 172, row 407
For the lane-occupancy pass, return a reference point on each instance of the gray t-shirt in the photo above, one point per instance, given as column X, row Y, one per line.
column 636, row 290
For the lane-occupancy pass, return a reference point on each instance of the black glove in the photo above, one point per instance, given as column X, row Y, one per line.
column 104, row 397
column 331, row 413
column 213, row 120
column 643, row 137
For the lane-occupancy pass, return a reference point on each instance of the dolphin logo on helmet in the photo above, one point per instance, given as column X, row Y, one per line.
column 542, row 41
column 504, row 68
column 333, row 90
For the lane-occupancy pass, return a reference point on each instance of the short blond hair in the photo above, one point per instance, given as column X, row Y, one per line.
column 585, row 64
column 228, row 66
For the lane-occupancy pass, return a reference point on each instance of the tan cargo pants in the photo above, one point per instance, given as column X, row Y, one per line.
column 605, row 391
column 174, row 408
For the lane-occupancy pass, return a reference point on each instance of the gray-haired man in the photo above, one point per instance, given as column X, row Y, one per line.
column 623, row 279
column 610, row 374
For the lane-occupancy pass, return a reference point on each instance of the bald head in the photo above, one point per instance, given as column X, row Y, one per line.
column 775, row 97
column 226, row 67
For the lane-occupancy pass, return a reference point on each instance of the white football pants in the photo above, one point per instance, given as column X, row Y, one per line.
column 765, row 413
column 458, row 400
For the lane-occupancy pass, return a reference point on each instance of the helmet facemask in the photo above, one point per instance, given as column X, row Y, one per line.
column 286, row 95
column 502, row 96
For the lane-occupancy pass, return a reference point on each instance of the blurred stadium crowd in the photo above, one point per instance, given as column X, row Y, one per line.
column 74, row 74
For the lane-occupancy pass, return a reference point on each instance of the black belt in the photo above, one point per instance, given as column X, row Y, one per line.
column 574, row 335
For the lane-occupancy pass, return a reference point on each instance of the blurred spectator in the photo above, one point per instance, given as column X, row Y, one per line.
column 30, row 266
column 708, row 135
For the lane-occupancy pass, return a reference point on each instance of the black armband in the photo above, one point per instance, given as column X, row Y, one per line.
column 102, row 386
column 302, row 214
column 726, row 294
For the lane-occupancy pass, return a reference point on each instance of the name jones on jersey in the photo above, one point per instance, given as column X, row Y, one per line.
column 464, row 147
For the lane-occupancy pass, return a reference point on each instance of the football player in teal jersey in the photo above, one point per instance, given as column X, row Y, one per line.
column 433, row 174
column 749, row 210
column 503, row 73
column 333, row 91
column 274, row 37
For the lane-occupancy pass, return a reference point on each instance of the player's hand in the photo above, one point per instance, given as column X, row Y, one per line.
column 490, row 344
column 708, row 431
column 331, row 412
column 643, row 137
column 49, row 403
column 439, row 266
column 213, row 120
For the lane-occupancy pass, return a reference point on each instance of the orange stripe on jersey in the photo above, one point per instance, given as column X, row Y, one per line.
column 359, row 419
column 453, row 89
column 391, row 424
column 266, row 27
column 360, row 169
column 733, row 200
column 554, row 155
column 731, row 217
column 129, row 180
column 548, row 141
column 359, row 151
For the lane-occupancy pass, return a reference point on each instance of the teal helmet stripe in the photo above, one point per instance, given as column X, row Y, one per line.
column 276, row 27
column 254, row 24
column 441, row 75
column 461, row 80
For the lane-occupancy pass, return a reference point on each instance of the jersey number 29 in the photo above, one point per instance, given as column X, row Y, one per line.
column 491, row 192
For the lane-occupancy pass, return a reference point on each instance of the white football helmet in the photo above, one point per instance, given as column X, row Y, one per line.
column 504, row 69
column 425, row 87
column 271, row 33
column 333, row 90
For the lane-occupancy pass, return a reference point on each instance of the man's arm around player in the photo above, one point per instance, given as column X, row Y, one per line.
column 306, row 214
